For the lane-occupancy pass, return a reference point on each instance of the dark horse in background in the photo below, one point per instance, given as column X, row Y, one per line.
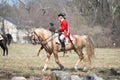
column 7, row 38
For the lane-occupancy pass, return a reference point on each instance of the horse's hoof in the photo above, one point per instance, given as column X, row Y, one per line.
column 85, row 69
column 43, row 70
column 67, row 55
column 76, row 69
column 62, row 68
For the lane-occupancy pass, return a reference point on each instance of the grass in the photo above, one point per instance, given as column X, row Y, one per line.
column 23, row 60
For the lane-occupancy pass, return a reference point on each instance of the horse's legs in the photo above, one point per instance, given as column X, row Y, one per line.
column 40, row 50
column 6, row 51
column 57, row 61
column 80, row 54
column 3, row 50
column 81, row 57
column 46, row 61
column 64, row 53
column 85, row 59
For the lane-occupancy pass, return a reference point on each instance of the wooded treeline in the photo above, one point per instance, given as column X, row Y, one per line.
column 99, row 19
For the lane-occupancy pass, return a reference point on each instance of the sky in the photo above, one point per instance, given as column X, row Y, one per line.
column 11, row 2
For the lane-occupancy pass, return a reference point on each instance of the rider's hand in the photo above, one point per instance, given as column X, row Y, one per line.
column 57, row 31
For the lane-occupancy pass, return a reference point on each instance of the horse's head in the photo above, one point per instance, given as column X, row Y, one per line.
column 34, row 37
column 40, row 35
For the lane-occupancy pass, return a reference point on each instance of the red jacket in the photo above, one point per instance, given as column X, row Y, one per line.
column 64, row 28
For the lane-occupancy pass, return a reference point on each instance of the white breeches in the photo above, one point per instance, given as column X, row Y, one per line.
column 62, row 37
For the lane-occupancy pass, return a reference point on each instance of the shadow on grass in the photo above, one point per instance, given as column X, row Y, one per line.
column 68, row 69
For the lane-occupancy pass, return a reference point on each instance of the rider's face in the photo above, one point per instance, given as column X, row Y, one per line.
column 59, row 18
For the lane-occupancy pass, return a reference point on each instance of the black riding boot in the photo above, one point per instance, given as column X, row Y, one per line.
column 62, row 46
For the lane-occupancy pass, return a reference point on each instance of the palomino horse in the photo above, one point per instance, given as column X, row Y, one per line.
column 48, row 41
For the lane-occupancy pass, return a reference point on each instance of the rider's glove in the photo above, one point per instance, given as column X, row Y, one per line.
column 57, row 31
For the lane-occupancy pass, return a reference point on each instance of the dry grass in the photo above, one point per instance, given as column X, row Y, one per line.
column 23, row 60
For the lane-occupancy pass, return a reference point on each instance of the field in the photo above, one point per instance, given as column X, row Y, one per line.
column 23, row 61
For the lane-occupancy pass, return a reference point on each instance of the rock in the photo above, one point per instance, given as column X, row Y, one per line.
column 75, row 77
column 92, row 77
column 61, row 75
column 35, row 78
column 46, row 78
column 53, row 76
column 18, row 78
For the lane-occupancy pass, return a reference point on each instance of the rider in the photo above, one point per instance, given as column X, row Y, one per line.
column 1, row 38
column 63, row 29
column 51, row 27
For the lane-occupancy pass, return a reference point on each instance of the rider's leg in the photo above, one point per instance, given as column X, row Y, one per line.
column 62, row 39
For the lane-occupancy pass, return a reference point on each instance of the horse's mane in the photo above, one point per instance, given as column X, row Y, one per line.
column 9, row 38
column 43, row 31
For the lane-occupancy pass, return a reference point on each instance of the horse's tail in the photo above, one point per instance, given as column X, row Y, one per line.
column 9, row 38
column 89, row 48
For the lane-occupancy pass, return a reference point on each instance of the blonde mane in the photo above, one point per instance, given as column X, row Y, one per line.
column 43, row 31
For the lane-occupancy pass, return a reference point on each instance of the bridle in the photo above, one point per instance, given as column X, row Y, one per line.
column 41, row 40
column 33, row 37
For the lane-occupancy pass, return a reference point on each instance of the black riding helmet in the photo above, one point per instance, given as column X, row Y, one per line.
column 62, row 14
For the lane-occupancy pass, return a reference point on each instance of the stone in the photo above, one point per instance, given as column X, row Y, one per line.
column 18, row 78
column 61, row 75
column 35, row 78
column 92, row 77
column 75, row 77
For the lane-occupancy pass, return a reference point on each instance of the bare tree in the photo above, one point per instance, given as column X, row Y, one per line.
column 3, row 14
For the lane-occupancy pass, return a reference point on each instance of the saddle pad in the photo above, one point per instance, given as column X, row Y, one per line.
column 67, row 40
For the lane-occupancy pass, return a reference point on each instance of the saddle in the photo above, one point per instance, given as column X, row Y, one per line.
column 67, row 40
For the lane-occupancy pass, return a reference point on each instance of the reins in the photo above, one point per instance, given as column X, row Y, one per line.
column 41, row 40
column 44, row 39
column 71, row 42
column 49, row 36
column 37, row 36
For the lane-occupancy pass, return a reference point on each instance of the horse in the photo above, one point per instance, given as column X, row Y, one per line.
column 48, row 41
column 7, row 38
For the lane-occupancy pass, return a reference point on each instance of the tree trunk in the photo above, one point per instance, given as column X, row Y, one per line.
column 3, row 26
